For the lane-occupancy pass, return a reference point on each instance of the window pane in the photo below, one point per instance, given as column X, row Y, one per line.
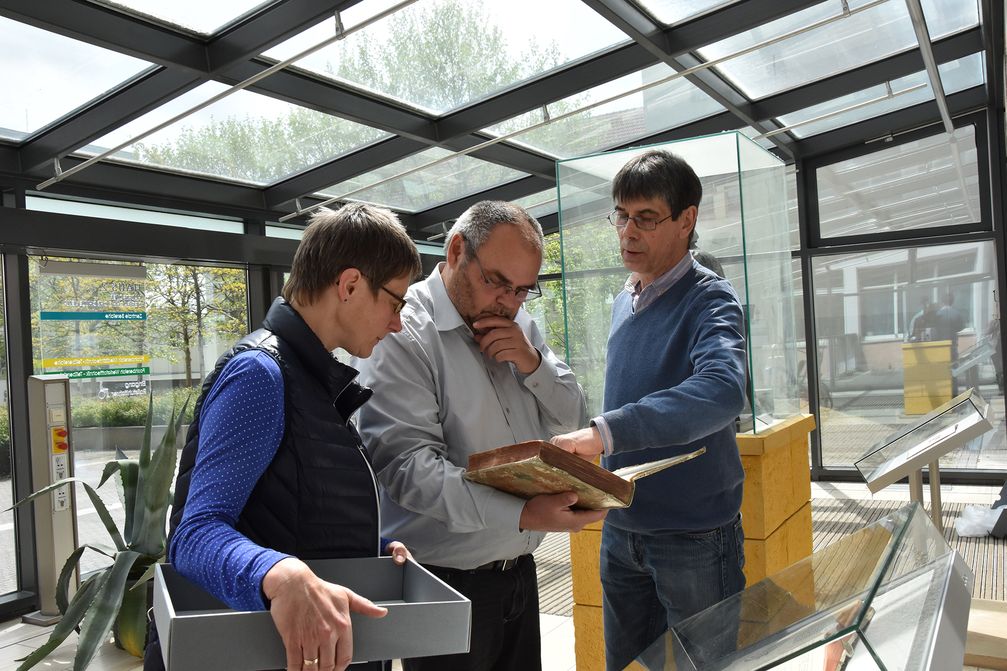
column 78, row 208
column 674, row 11
column 919, row 184
column 853, row 41
column 956, row 76
column 428, row 187
column 197, row 16
column 121, row 331
column 441, row 54
column 47, row 76
column 8, row 560
column 631, row 117
column 245, row 136
column 878, row 315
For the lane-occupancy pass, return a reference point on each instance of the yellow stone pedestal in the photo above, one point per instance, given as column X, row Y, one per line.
column 776, row 513
column 776, row 506
column 926, row 373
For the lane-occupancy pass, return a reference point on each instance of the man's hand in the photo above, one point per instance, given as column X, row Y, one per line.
column 503, row 340
column 551, row 512
column 399, row 552
column 585, row 443
column 313, row 616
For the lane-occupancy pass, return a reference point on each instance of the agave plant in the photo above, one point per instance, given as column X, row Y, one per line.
column 116, row 596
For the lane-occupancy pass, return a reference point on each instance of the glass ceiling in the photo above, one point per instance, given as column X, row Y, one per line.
column 197, row 16
column 435, row 58
column 439, row 55
column 876, row 32
column 669, row 12
column 911, row 90
column 614, row 123
column 46, row 76
column 453, row 179
column 245, row 136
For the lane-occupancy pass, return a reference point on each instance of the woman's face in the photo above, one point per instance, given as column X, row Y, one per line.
column 375, row 315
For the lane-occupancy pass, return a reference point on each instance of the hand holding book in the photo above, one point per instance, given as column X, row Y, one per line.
column 536, row 467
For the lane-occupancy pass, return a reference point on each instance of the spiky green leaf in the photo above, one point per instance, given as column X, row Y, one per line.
column 99, row 507
column 150, row 537
column 104, row 607
column 74, row 614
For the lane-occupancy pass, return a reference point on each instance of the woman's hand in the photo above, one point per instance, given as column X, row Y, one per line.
column 313, row 616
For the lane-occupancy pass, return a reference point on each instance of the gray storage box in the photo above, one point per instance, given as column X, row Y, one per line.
column 425, row 617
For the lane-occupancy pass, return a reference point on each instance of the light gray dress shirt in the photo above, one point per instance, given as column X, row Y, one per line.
column 438, row 399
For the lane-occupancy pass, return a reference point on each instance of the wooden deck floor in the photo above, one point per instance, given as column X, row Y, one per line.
column 831, row 519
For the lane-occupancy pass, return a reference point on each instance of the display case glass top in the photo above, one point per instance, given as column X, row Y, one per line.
column 873, row 599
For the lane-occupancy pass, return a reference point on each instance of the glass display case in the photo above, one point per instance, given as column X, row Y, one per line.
column 921, row 444
column 892, row 595
column 742, row 222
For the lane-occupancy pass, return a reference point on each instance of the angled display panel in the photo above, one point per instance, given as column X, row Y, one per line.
column 948, row 427
column 891, row 596
column 742, row 222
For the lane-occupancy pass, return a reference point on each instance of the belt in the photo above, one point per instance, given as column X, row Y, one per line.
column 498, row 565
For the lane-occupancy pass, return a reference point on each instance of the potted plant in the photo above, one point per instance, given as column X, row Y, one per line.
column 115, row 598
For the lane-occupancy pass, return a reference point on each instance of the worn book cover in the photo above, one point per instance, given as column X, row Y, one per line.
column 537, row 467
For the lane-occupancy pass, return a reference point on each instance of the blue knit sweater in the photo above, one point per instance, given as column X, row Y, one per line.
column 675, row 381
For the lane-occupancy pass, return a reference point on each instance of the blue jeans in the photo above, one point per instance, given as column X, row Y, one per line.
column 650, row 582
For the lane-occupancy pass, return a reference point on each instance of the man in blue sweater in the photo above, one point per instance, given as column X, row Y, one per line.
column 675, row 381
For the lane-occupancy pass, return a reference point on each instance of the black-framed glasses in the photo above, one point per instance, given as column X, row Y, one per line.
column 400, row 301
column 620, row 219
column 521, row 293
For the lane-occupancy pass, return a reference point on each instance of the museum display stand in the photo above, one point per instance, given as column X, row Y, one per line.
column 905, row 453
column 743, row 223
column 892, row 595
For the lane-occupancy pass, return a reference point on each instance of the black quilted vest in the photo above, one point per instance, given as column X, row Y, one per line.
column 318, row 498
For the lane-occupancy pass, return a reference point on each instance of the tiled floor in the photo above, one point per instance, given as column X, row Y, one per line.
column 17, row 639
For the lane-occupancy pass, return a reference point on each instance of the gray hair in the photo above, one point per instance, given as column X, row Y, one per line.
column 476, row 223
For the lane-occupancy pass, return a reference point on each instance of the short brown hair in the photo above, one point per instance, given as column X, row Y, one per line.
column 366, row 237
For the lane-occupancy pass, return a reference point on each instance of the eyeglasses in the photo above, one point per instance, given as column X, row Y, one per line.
column 620, row 219
column 521, row 293
column 400, row 301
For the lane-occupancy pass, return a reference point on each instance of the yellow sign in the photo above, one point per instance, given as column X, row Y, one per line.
column 126, row 360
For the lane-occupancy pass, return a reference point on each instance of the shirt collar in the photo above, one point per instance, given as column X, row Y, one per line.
column 445, row 314
column 662, row 283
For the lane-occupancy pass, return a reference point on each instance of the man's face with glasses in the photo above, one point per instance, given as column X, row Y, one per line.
column 496, row 280
column 651, row 240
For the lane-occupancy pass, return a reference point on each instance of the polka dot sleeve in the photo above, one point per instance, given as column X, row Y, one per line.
column 241, row 426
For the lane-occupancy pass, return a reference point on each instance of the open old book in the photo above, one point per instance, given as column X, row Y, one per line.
column 537, row 467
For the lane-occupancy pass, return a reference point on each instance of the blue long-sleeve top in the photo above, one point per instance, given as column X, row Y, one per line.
column 675, row 381
column 241, row 425
column 240, row 428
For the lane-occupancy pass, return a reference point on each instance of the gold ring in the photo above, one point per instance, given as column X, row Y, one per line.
column 310, row 662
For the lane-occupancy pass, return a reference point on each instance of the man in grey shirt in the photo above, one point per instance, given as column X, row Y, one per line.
column 470, row 371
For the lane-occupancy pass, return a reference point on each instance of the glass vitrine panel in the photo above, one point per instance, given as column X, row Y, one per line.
column 880, row 598
column 742, row 222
